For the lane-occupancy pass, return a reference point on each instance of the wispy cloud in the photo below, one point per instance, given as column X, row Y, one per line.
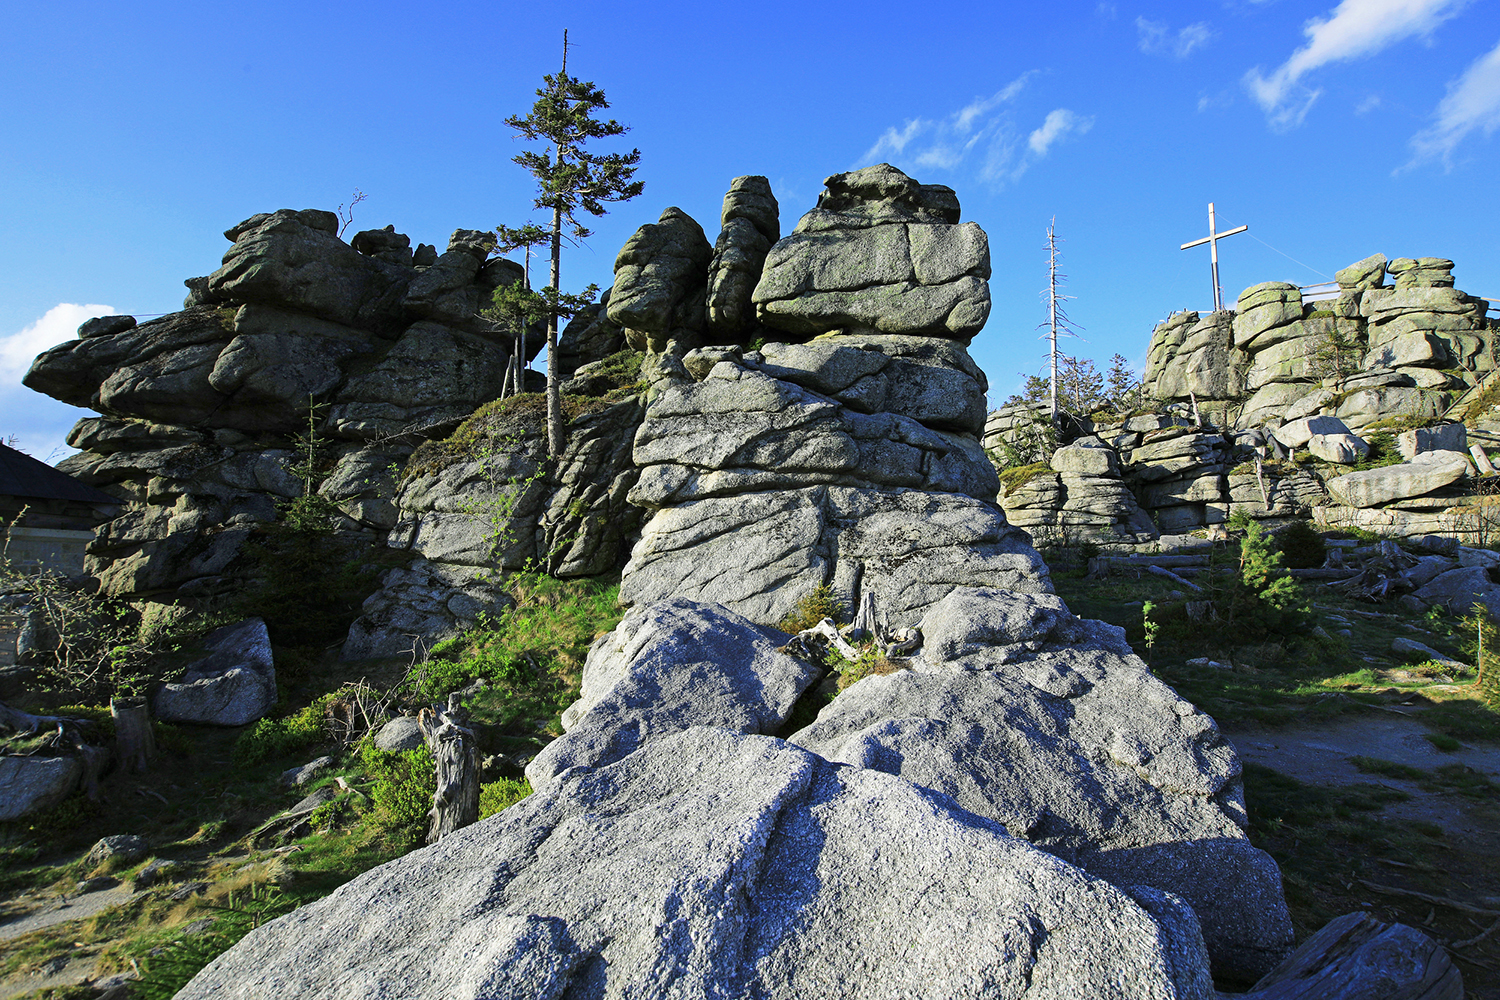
column 1158, row 38
column 983, row 132
column 1355, row 29
column 1472, row 103
column 1059, row 123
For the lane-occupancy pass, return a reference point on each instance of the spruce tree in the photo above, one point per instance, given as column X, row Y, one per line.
column 569, row 178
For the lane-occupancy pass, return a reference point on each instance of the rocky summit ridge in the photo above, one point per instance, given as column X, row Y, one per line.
column 1022, row 810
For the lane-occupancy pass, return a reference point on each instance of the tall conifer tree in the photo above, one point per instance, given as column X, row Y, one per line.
column 569, row 178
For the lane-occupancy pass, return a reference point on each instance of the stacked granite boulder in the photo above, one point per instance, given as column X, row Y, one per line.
column 848, row 453
column 1262, row 404
column 1081, row 498
column 1369, row 353
column 201, row 408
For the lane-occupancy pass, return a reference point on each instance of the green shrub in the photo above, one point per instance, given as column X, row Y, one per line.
column 404, row 783
column 530, row 656
column 821, row 603
column 502, row 794
column 1302, row 545
column 271, row 738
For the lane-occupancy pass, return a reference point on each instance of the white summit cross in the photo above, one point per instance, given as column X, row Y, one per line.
column 1212, row 239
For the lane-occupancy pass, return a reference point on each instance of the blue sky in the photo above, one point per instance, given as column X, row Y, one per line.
column 133, row 135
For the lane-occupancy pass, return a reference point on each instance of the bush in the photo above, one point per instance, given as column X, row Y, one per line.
column 497, row 795
column 1302, row 545
column 405, row 781
column 530, row 656
column 821, row 603
column 271, row 738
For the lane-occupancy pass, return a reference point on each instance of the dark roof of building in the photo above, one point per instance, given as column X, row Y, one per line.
column 25, row 477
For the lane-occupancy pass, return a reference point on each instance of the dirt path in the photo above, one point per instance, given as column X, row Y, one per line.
column 59, row 910
column 65, row 969
column 1321, row 755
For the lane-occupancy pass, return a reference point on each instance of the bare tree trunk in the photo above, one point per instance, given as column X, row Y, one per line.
column 134, row 741
column 554, row 384
column 455, row 804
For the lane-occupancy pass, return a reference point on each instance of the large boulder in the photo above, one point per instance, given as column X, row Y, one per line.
column 759, row 553
column 880, row 254
column 660, row 276
column 752, row 224
column 668, row 667
column 933, row 381
column 432, row 376
column 32, row 784
column 1049, row 724
column 234, row 685
column 741, row 429
column 1261, row 309
column 158, row 370
column 1426, row 472
column 296, row 260
column 1367, row 273
column 715, row 864
column 1458, row 590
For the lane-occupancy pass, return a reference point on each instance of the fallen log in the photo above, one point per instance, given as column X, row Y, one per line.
column 825, row 633
column 1168, row 574
column 1356, row 957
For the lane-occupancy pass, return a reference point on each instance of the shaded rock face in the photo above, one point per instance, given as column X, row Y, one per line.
column 233, row 686
column 201, row 407
column 715, row 864
column 851, row 461
column 880, row 254
column 34, row 784
column 1050, row 725
column 467, row 513
column 589, row 336
column 660, row 281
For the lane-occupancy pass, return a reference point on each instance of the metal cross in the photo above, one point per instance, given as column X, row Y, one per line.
column 1213, row 249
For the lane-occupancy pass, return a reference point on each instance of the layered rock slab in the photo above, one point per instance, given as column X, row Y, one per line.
column 1050, row 725
column 759, row 553
column 669, row 667
column 714, row 864
column 881, row 253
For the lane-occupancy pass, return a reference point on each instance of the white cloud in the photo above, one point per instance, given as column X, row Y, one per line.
column 982, row 132
column 1059, row 123
column 965, row 117
column 1369, row 104
column 1472, row 102
column 58, row 324
column 895, row 142
column 1355, row 29
column 37, row 423
column 1157, row 37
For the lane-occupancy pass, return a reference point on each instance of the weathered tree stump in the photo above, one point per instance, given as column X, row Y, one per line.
column 455, row 804
column 134, row 742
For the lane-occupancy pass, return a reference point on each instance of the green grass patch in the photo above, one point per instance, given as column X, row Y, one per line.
column 530, row 657
column 1444, row 742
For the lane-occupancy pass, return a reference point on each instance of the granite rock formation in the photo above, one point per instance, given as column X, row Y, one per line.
column 201, row 408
